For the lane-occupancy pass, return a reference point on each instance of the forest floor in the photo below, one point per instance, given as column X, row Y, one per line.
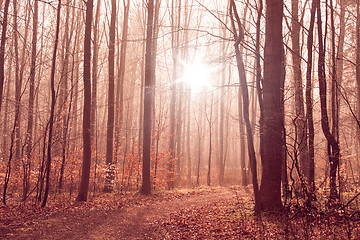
column 207, row 213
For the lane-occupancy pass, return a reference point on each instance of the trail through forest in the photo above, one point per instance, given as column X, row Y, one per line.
column 205, row 213
column 135, row 220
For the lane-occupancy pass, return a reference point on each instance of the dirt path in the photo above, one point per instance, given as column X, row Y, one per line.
column 130, row 222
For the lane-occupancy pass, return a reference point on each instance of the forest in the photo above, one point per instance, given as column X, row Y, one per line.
column 104, row 101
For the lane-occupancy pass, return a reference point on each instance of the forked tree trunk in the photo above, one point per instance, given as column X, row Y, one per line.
column 334, row 152
column 245, row 99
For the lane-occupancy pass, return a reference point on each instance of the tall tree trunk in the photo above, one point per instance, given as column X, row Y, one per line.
column 121, row 77
column 18, row 86
column 199, row 147
column 270, row 190
column 244, row 180
column 334, row 85
column 284, row 173
column 30, row 123
column 95, row 73
column 179, row 122
column 222, row 114
column 245, row 99
column 309, row 101
column 334, row 80
column 259, row 80
column 334, row 152
column 85, row 173
column 172, row 141
column 53, row 102
column 6, row 117
column 19, row 74
column 300, row 121
column 111, row 104
column 76, row 60
column 141, row 103
column 67, row 102
column 2, row 49
column 148, row 101
column 340, row 51
column 210, row 122
column 188, row 141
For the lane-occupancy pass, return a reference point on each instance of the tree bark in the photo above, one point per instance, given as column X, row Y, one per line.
column 111, row 103
column 85, row 172
column 357, row 64
column 270, row 190
column 148, row 102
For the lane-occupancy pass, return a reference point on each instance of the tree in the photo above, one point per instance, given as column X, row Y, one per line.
column 85, row 173
column 111, row 104
column 209, row 119
column 175, row 54
column 30, row 123
column 270, row 190
column 259, row 80
column 95, row 71
column 121, row 76
column 148, row 101
column 64, row 102
column 52, row 109
column 2, row 49
column 222, row 150
column 238, row 36
column 309, row 101
column 300, row 121
column 334, row 149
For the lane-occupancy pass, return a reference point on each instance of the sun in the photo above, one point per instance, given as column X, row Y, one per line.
column 197, row 76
